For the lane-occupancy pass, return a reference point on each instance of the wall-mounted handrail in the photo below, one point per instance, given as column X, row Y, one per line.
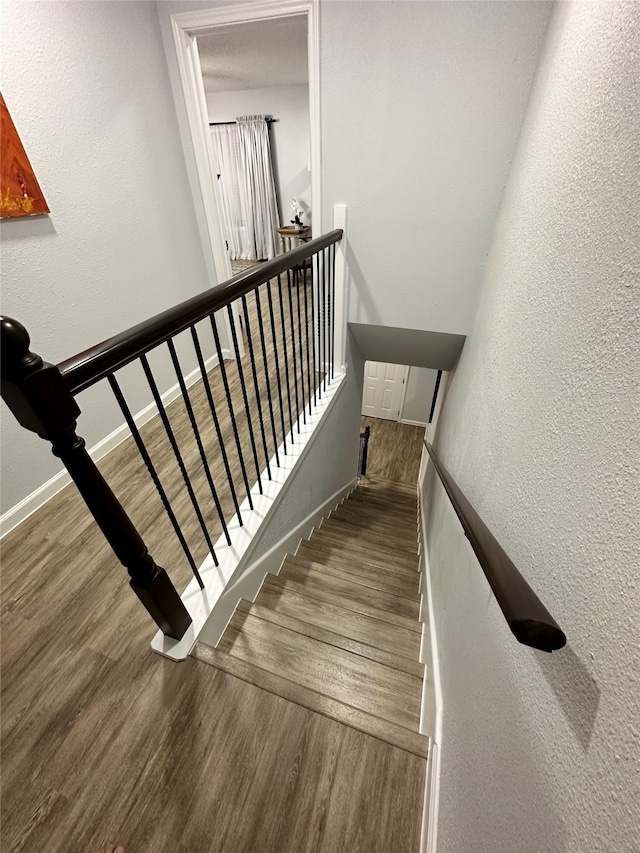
column 88, row 367
column 527, row 617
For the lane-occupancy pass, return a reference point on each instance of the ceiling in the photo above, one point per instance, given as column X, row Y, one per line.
column 255, row 55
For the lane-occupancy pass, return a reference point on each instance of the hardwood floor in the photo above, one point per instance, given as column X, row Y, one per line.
column 394, row 449
column 104, row 741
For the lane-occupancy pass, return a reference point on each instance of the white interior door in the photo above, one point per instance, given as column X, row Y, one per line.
column 383, row 389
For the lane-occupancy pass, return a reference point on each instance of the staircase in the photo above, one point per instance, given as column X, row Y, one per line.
column 337, row 629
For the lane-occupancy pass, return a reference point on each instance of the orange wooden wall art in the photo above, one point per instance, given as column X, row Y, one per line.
column 20, row 193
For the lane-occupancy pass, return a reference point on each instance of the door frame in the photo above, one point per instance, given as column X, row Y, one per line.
column 185, row 27
column 403, row 391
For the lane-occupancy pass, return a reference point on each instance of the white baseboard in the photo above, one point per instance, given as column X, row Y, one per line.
column 429, row 832
column 413, row 423
column 27, row 506
column 432, row 689
column 234, row 559
column 250, row 581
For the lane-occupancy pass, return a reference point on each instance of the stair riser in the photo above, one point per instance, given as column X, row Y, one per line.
column 337, row 543
column 361, row 607
column 395, row 584
column 377, row 520
column 330, row 638
column 317, row 552
column 349, row 623
column 346, row 678
column 367, row 723
column 391, row 542
column 349, row 591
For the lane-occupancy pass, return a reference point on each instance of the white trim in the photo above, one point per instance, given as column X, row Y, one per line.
column 429, row 831
column 412, row 423
column 185, row 27
column 38, row 498
column 341, row 306
column 250, row 581
column 188, row 60
column 232, row 559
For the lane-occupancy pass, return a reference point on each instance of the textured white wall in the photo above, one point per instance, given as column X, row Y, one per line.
column 421, row 108
column 540, row 427
column 87, row 86
column 289, row 135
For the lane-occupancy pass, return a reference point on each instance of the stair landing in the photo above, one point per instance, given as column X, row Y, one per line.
column 337, row 629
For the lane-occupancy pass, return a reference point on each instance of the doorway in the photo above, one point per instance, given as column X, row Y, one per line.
column 383, row 390
column 190, row 27
column 256, row 83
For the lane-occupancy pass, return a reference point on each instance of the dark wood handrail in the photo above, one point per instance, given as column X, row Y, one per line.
column 527, row 617
column 88, row 367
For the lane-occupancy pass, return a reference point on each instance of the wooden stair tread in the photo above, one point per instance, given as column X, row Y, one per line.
column 337, row 629
column 339, row 641
column 382, row 540
column 349, row 589
column 339, row 543
column 387, row 486
column 406, row 586
column 399, row 505
column 331, row 598
column 368, row 723
column 375, row 519
column 356, row 681
column 316, row 551
column 349, row 623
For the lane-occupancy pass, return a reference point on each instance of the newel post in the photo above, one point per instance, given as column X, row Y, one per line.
column 40, row 400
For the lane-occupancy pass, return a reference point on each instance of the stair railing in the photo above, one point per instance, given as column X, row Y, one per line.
column 527, row 617
column 364, row 451
column 292, row 299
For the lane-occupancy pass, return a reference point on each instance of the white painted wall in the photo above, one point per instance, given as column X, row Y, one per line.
column 539, row 427
column 421, row 108
column 94, row 110
column 419, row 394
column 289, row 134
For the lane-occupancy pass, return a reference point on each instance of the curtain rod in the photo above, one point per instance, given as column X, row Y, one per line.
column 217, row 123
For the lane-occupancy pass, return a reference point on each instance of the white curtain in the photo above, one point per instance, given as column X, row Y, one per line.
column 247, row 188
column 235, row 204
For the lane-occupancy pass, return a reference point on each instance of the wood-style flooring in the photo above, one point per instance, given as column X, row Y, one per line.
column 337, row 629
column 104, row 741
column 395, row 449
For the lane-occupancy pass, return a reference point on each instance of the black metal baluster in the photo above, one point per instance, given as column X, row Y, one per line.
column 176, row 451
column 325, row 289
column 293, row 351
column 323, row 351
column 316, row 345
column 297, row 282
column 227, row 391
column 254, row 373
column 313, row 331
column 306, row 328
column 277, row 361
column 286, row 357
column 216, row 422
column 254, row 449
column 266, row 375
column 135, row 432
column 197, row 436
column 332, row 319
